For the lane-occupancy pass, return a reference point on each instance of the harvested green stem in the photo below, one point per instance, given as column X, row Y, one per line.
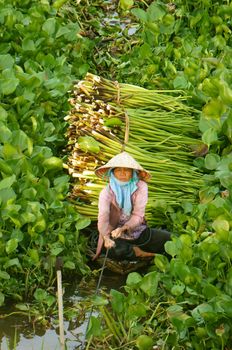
column 162, row 133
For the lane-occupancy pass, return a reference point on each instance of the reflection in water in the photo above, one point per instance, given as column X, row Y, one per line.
column 18, row 333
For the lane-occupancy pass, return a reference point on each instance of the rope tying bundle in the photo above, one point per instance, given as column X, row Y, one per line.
column 127, row 120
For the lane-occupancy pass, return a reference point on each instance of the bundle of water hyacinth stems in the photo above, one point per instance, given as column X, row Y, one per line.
column 161, row 133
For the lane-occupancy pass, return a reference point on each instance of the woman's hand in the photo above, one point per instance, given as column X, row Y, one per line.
column 119, row 231
column 108, row 243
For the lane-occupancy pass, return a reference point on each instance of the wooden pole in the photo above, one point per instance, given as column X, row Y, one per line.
column 60, row 300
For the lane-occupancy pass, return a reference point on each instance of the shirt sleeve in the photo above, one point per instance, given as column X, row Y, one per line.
column 139, row 206
column 104, row 203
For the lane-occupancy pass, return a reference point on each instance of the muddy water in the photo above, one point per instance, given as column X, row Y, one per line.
column 18, row 333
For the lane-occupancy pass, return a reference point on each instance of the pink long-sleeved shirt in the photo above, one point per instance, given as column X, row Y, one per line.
column 110, row 215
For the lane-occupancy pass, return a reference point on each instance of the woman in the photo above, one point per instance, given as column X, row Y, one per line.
column 121, row 218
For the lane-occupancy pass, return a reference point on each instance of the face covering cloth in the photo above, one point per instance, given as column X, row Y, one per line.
column 123, row 191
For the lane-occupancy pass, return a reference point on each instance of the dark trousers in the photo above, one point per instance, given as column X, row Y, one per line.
column 151, row 240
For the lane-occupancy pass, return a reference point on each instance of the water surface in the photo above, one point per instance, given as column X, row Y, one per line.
column 17, row 332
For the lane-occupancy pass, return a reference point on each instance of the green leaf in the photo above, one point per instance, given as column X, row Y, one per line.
column 225, row 93
column 195, row 19
column 5, row 134
column 53, row 163
column 211, row 161
column 161, row 262
column 61, row 238
column 187, row 206
column 3, row 114
column 61, row 183
column 62, row 31
column 23, row 307
column 126, row 4
column 178, row 289
column 12, row 262
column 186, row 240
column 8, row 82
column 174, row 310
column 144, row 342
column 205, row 124
column 204, row 311
column 40, row 294
column 94, row 328
column 180, row 82
column 183, row 321
column 73, row 31
column 213, row 109
column 140, row 14
column 210, row 87
column 226, row 305
column 34, row 255
column 219, row 41
column 228, row 281
column 180, row 270
column 210, row 291
column 209, row 136
column 20, row 140
column 49, row 26
column 15, row 220
column 11, row 245
column 224, row 167
column 6, row 61
column 59, row 3
column 69, row 265
column 28, row 45
column 171, row 248
column 56, row 251
column 18, row 234
column 88, row 144
column 220, row 225
column 50, row 300
column 227, row 127
column 149, row 283
column 133, row 279
column 111, row 122
column 10, row 151
column 83, row 69
column 82, row 222
column 155, row 11
column 145, row 51
column 206, row 195
column 137, row 311
column 223, row 172
column 7, row 194
column 4, row 275
column 226, row 181
column 98, row 300
column 29, row 193
column 5, row 168
column 2, row 298
column 7, row 182
column 117, row 301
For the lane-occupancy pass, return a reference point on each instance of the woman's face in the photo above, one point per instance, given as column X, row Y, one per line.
column 123, row 174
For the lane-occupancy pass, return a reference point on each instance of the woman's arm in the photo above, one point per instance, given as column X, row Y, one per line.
column 139, row 205
column 104, row 212
column 104, row 226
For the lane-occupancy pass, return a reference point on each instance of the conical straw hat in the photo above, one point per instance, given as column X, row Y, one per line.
column 122, row 160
